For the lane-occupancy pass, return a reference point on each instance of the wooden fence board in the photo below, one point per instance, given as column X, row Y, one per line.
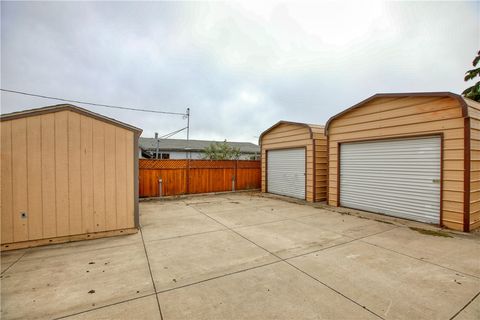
column 197, row 176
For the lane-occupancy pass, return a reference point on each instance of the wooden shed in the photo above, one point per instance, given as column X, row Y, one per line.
column 294, row 160
column 409, row 155
column 66, row 174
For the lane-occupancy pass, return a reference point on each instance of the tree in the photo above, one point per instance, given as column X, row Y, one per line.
column 474, row 91
column 221, row 151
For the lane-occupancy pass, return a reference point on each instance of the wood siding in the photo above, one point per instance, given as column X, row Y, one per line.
column 68, row 174
column 291, row 135
column 402, row 117
column 474, row 114
column 197, row 176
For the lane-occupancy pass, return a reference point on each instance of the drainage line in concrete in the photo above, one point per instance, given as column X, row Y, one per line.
column 471, row 300
column 426, row 261
column 105, row 306
column 15, row 262
column 151, row 274
column 220, row 276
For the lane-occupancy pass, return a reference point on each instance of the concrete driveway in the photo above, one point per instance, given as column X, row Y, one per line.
column 244, row 256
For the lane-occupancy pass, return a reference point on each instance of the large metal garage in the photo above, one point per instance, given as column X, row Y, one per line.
column 294, row 160
column 414, row 156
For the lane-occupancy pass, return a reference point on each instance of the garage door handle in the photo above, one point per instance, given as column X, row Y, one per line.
column 436, row 181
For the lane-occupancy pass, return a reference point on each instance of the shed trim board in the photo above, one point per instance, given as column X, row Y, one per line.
column 314, row 172
column 411, row 137
column 466, row 178
column 69, row 238
column 65, row 107
column 403, row 115
column 136, row 181
column 305, row 171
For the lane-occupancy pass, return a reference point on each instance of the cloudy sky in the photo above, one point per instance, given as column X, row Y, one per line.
column 239, row 66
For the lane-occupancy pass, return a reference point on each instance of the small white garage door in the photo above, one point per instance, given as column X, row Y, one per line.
column 395, row 177
column 286, row 172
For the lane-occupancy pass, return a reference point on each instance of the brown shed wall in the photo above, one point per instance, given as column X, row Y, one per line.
column 404, row 116
column 71, row 174
column 474, row 113
column 294, row 135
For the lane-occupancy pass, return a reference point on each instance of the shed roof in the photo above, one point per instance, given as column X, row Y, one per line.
column 312, row 128
column 464, row 102
column 66, row 107
column 192, row 145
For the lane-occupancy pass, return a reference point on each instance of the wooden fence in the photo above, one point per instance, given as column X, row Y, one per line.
column 197, row 176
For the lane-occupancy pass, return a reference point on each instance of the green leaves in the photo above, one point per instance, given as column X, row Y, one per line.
column 221, row 151
column 473, row 92
column 470, row 74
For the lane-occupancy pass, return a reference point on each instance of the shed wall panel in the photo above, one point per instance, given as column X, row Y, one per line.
column 6, row 204
column 48, row 176
column 34, row 172
column 110, row 179
column 74, row 173
column 61, row 174
column 99, row 175
column 130, row 176
column 120, row 173
column 86, row 160
column 19, row 179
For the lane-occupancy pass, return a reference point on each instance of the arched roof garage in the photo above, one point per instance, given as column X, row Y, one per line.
column 409, row 155
column 294, row 160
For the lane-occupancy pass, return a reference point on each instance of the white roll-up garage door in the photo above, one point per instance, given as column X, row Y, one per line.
column 395, row 177
column 286, row 172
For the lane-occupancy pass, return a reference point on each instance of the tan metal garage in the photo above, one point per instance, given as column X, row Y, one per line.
column 66, row 174
column 294, row 160
column 408, row 155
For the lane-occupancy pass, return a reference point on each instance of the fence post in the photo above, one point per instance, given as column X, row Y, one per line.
column 234, row 182
column 160, row 185
column 187, row 187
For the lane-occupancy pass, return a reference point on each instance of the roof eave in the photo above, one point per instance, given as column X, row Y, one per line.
column 66, row 107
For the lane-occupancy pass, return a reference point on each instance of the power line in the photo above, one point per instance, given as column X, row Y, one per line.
column 168, row 135
column 93, row 104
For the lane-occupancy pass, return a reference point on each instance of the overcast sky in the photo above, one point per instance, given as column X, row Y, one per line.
column 239, row 66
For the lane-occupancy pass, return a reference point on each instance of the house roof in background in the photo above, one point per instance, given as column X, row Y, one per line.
column 66, row 107
column 192, row 145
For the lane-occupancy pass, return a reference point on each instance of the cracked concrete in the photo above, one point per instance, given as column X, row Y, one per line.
column 245, row 256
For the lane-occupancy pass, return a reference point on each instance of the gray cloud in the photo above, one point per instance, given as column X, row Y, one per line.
column 240, row 67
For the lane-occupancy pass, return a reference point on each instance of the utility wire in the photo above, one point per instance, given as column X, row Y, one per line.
column 168, row 135
column 92, row 104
